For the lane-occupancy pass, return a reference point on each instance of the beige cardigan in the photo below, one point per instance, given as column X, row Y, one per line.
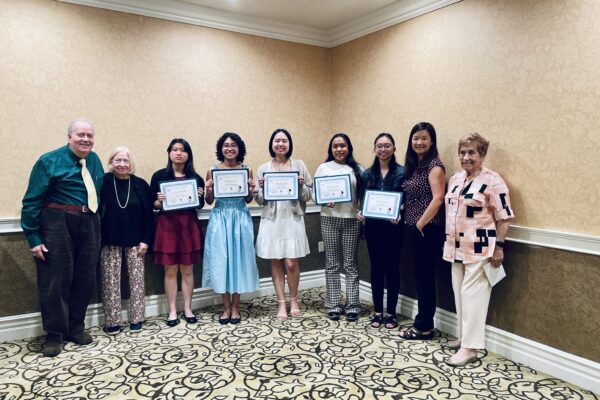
column 298, row 206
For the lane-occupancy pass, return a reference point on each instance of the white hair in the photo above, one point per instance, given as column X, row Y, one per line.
column 75, row 121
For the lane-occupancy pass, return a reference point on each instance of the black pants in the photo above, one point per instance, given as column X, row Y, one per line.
column 427, row 251
column 384, row 241
column 66, row 280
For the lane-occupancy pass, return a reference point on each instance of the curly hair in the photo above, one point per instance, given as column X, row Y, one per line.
column 238, row 141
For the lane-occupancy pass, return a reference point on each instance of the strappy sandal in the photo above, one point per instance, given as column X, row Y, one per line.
column 413, row 333
column 294, row 311
column 376, row 321
column 282, row 316
column 391, row 322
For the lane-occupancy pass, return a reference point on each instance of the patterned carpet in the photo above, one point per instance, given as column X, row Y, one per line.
column 308, row 357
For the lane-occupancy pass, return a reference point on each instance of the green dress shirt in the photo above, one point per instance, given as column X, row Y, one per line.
column 56, row 178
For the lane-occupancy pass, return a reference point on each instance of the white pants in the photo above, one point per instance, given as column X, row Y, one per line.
column 472, row 292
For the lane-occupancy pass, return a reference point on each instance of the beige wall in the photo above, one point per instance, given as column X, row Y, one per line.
column 143, row 81
column 525, row 74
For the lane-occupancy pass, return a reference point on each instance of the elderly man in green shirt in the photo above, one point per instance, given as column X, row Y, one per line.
column 60, row 220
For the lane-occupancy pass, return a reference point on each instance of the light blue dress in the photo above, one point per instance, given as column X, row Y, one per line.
column 229, row 258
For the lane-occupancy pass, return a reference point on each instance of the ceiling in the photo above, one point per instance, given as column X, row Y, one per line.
column 325, row 23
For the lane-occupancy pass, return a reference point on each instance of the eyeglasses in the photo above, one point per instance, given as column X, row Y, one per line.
column 230, row 146
column 386, row 146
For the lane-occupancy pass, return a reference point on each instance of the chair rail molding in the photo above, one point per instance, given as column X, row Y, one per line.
column 575, row 242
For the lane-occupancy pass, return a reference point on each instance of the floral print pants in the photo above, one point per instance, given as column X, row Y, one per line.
column 110, row 268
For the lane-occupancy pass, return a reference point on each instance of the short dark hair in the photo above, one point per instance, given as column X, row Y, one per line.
column 286, row 133
column 238, row 141
column 189, row 170
column 411, row 160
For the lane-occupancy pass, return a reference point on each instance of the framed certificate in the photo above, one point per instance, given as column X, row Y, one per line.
column 333, row 189
column 180, row 194
column 281, row 186
column 230, row 182
column 382, row 205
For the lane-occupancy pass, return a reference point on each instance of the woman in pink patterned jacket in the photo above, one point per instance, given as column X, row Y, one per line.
column 478, row 212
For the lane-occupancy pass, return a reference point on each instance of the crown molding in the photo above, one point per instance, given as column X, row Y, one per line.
column 384, row 18
column 212, row 18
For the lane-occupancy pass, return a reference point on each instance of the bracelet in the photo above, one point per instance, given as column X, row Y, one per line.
column 500, row 244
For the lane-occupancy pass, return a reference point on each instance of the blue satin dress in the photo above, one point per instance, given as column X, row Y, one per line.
column 229, row 258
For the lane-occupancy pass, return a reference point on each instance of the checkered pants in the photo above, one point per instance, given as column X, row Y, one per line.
column 110, row 268
column 341, row 237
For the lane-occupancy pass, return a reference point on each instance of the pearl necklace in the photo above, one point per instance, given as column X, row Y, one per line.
column 117, row 193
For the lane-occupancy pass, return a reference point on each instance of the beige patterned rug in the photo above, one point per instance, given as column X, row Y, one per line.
column 308, row 357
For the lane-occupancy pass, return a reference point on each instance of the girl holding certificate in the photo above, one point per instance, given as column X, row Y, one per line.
column 424, row 195
column 281, row 234
column 478, row 215
column 178, row 239
column 341, row 231
column 229, row 260
column 384, row 236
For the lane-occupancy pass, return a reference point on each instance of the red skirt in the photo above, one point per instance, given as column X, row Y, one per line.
column 178, row 238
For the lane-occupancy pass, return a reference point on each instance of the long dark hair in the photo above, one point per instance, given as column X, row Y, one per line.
column 188, row 169
column 291, row 144
column 375, row 167
column 349, row 159
column 411, row 161
column 238, row 141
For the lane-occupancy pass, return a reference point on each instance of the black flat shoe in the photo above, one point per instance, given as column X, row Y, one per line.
column 81, row 339
column 136, row 327
column 224, row 321
column 172, row 322
column 189, row 320
column 413, row 333
column 334, row 315
column 51, row 349
column 351, row 316
column 235, row 321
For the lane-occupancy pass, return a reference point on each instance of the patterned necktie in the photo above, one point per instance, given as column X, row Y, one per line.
column 92, row 201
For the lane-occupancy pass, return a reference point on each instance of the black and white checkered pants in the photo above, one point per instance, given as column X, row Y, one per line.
column 341, row 237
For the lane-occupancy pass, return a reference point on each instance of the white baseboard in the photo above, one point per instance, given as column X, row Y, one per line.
column 568, row 367
column 30, row 325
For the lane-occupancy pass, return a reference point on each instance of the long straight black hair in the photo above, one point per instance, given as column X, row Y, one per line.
column 375, row 167
column 352, row 163
column 188, row 169
column 411, row 160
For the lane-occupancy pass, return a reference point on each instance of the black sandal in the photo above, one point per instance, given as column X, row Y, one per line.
column 413, row 334
column 391, row 322
column 376, row 321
